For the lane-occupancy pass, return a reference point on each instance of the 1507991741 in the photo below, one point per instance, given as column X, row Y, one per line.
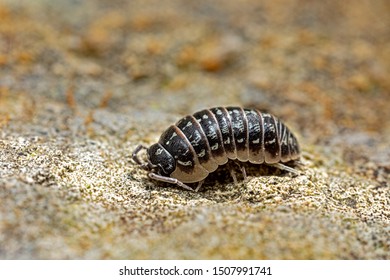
column 242, row 270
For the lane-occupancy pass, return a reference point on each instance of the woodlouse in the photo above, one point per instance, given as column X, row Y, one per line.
column 197, row 144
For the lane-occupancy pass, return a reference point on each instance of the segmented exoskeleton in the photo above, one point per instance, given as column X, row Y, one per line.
column 197, row 144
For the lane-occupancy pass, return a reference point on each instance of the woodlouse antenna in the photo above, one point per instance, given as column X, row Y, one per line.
column 145, row 165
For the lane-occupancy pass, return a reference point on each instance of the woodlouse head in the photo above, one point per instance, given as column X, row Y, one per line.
column 159, row 160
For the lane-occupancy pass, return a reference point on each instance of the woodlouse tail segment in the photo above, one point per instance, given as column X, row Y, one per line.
column 145, row 165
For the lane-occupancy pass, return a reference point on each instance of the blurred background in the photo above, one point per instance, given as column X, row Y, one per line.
column 76, row 73
column 321, row 66
column 328, row 57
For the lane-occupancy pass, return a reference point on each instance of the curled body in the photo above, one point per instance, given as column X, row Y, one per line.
column 194, row 147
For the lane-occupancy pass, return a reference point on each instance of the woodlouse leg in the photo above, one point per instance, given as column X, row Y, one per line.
column 242, row 168
column 307, row 155
column 243, row 172
column 285, row 167
column 233, row 174
column 298, row 162
column 169, row 180
column 199, row 185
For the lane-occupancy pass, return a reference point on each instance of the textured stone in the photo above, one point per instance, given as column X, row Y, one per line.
column 83, row 83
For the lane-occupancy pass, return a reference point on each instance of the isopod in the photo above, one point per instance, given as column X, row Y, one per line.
column 194, row 147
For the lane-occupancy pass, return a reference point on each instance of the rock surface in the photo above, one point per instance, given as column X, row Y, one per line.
column 82, row 83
